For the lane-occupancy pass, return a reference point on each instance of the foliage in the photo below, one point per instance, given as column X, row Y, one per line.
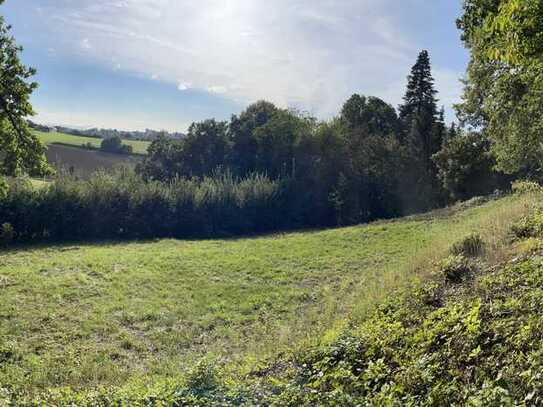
column 529, row 226
column 365, row 164
column 4, row 187
column 526, row 187
column 115, row 145
column 20, row 150
column 122, row 205
column 347, row 173
column 423, row 132
column 465, row 167
column 7, row 234
column 371, row 114
column 504, row 87
column 470, row 246
column 456, row 268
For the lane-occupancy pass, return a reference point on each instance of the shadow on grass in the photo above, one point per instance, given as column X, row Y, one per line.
column 66, row 245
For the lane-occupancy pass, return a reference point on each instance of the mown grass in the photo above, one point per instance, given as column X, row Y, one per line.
column 139, row 146
column 110, row 314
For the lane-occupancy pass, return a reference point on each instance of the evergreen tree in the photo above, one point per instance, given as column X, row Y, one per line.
column 423, row 131
column 420, row 94
column 20, row 150
column 420, row 110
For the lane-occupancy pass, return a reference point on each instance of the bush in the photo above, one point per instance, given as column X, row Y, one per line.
column 115, row 145
column 470, row 246
column 456, row 268
column 4, row 187
column 7, row 234
column 525, row 187
column 529, row 226
column 123, row 205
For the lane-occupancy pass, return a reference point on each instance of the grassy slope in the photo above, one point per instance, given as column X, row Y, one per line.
column 108, row 314
column 85, row 162
column 139, row 146
column 474, row 342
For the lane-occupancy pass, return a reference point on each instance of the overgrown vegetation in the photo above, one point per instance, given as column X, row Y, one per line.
column 121, row 205
column 503, row 90
column 368, row 163
column 115, row 145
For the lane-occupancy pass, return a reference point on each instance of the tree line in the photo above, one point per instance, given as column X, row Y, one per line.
column 371, row 161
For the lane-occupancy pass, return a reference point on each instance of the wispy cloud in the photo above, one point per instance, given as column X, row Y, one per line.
column 85, row 44
column 183, row 86
column 310, row 54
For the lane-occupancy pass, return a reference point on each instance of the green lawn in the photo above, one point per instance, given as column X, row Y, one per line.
column 86, row 315
column 139, row 147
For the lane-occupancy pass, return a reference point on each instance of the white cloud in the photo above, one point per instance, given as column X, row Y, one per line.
column 183, row 86
column 217, row 89
column 305, row 53
column 85, row 44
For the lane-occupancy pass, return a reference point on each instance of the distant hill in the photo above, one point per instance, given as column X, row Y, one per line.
column 84, row 162
column 55, row 137
column 147, row 135
column 81, row 155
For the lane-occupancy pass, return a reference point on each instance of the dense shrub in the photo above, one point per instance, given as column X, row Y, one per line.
column 7, row 234
column 456, row 268
column 466, row 167
column 471, row 246
column 529, row 226
column 115, row 145
column 525, row 187
column 122, row 205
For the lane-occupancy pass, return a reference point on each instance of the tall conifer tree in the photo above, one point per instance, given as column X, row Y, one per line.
column 423, row 130
column 423, row 123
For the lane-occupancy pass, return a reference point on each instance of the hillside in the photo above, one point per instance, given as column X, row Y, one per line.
column 66, row 151
column 84, row 162
column 133, row 315
column 139, row 147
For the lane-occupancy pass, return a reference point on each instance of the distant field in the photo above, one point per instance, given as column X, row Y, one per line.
column 86, row 315
column 139, row 147
column 84, row 162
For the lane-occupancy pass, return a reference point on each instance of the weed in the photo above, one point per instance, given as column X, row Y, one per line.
column 470, row 246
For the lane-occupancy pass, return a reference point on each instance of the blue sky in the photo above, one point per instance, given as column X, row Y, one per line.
column 162, row 64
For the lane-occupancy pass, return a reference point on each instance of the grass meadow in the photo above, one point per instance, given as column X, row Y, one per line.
column 111, row 314
column 139, row 146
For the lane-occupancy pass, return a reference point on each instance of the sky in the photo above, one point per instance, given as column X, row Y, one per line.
column 163, row 64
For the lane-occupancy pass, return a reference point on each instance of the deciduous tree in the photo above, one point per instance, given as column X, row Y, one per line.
column 20, row 149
